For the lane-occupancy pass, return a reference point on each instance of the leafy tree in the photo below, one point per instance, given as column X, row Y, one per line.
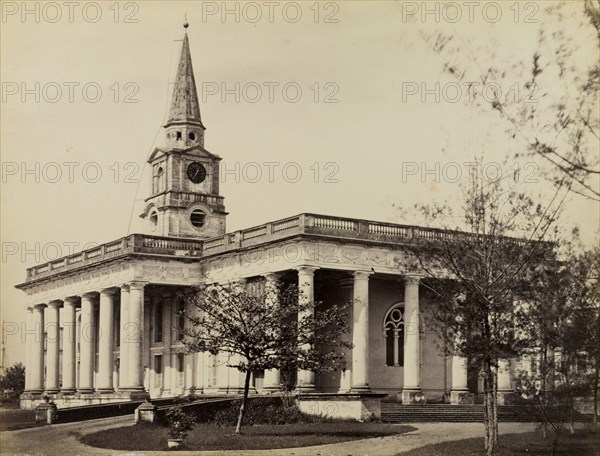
column 477, row 275
column 13, row 379
column 269, row 327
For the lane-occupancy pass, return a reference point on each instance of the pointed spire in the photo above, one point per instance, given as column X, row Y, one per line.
column 184, row 102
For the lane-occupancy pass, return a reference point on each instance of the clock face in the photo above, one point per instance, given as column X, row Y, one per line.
column 196, row 172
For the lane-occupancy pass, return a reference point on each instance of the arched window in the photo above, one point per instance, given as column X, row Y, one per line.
column 158, row 179
column 393, row 331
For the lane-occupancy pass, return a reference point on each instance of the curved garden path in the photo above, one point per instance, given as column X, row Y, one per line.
column 62, row 440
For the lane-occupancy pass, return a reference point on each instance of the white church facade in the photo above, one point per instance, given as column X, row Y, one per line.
column 103, row 324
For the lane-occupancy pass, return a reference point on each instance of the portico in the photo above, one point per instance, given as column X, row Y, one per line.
column 110, row 327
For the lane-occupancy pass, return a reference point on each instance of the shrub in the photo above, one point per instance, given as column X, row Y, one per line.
column 180, row 423
column 285, row 412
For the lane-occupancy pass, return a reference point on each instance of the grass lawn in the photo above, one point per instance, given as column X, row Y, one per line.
column 210, row 437
column 12, row 418
column 583, row 443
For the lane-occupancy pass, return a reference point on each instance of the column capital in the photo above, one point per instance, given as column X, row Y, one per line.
column 274, row 276
column 362, row 275
column 89, row 295
column 135, row 285
column 124, row 287
column 29, row 309
column 39, row 307
column 412, row 279
column 306, row 270
column 71, row 300
column 55, row 303
column 166, row 293
column 109, row 291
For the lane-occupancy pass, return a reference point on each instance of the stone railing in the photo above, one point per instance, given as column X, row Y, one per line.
column 303, row 224
column 135, row 243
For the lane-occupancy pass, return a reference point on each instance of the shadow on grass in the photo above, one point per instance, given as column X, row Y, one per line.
column 261, row 437
column 12, row 418
column 582, row 443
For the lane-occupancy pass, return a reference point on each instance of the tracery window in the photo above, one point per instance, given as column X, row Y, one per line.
column 393, row 331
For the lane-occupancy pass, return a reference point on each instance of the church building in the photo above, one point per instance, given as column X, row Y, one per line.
column 103, row 324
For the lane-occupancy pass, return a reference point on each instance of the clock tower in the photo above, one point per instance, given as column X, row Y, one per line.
column 184, row 199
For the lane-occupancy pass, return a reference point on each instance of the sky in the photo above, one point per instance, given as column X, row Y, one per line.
column 324, row 107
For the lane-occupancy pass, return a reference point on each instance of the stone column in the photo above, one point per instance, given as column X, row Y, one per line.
column 87, row 344
column 28, row 345
column 189, row 373
column 459, row 394
column 106, row 341
column 52, row 353
column 124, row 338
column 347, row 285
column 222, row 372
column 360, row 332
column 200, row 383
column 167, row 338
column 37, row 350
column 411, row 392
column 272, row 377
column 306, row 275
column 69, row 345
column 136, row 318
column 505, row 388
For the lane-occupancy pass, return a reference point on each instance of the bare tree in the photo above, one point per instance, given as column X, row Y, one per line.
column 478, row 276
column 550, row 103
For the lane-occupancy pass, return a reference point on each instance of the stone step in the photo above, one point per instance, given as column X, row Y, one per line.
column 398, row 413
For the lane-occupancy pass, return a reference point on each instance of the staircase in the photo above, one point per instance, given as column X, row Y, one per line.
column 394, row 412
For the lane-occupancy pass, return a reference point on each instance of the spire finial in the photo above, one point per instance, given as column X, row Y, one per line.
column 185, row 22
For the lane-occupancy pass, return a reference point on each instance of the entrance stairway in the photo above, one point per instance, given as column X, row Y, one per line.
column 394, row 412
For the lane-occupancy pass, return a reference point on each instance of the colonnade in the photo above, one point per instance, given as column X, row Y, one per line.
column 45, row 323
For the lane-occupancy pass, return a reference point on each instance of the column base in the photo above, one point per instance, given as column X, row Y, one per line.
column 360, row 389
column 135, row 393
column 107, row 390
column 271, row 390
column 33, row 392
column 51, row 391
column 306, row 388
column 86, row 391
column 413, row 396
column 507, row 398
column 461, row 397
column 67, row 392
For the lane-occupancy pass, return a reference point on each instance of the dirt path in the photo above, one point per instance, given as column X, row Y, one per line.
column 62, row 440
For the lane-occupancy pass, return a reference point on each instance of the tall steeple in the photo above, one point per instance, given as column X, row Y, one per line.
column 184, row 199
column 184, row 127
